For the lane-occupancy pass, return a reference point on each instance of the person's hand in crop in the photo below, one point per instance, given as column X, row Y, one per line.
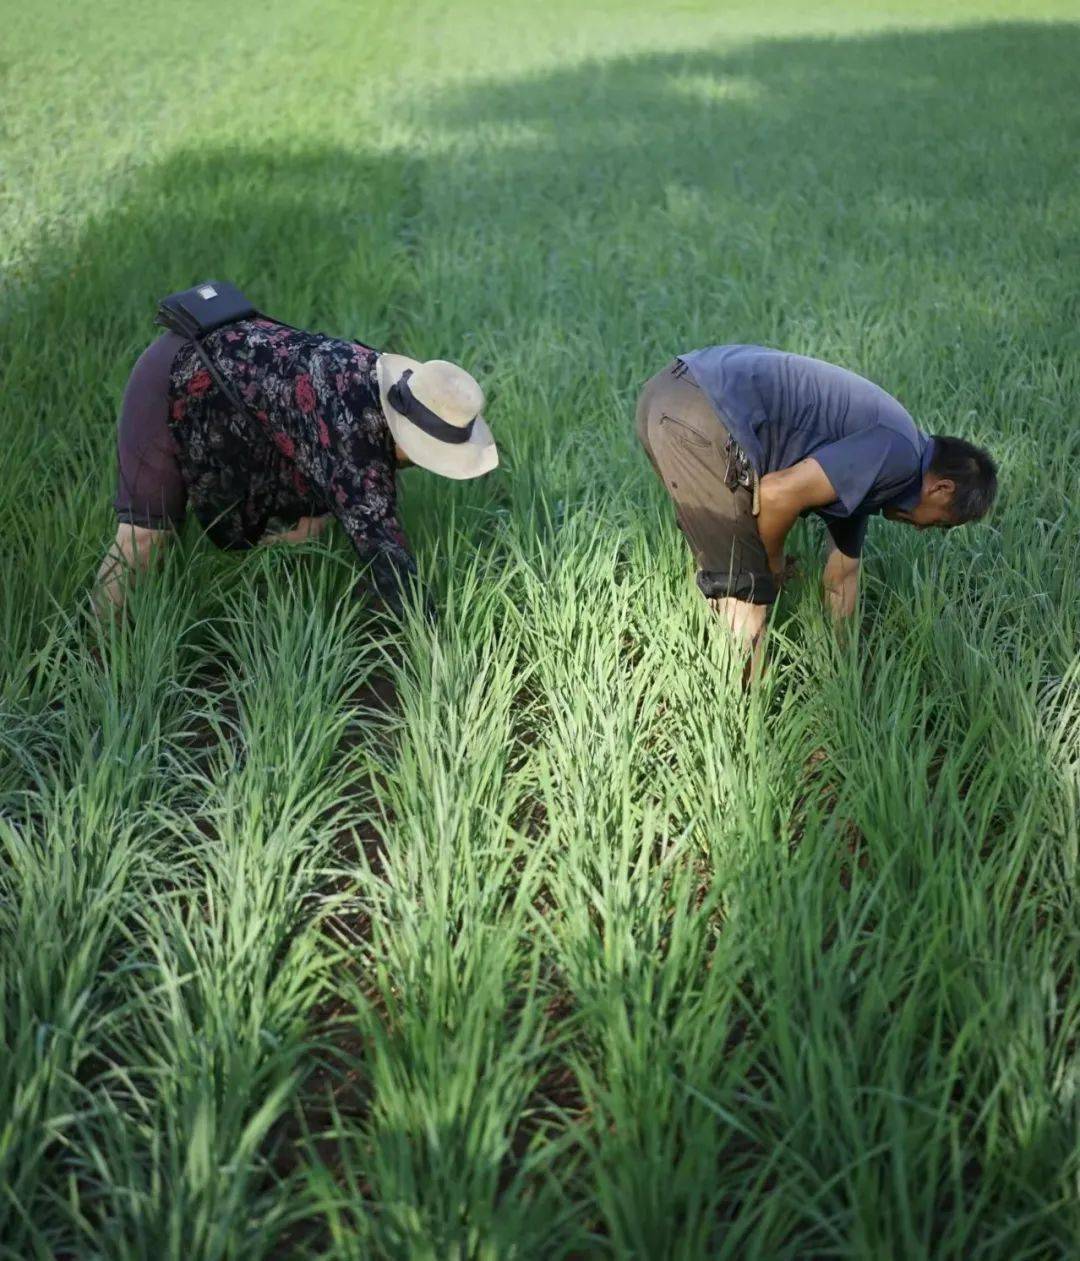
column 390, row 585
column 306, row 530
column 790, row 572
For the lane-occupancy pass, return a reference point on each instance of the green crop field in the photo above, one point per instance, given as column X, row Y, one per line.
column 534, row 935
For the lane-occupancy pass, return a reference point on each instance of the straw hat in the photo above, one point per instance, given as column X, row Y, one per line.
column 433, row 410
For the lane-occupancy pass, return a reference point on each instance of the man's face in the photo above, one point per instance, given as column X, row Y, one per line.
column 934, row 509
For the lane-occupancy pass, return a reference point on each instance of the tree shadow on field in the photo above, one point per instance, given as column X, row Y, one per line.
column 936, row 155
column 875, row 199
column 871, row 199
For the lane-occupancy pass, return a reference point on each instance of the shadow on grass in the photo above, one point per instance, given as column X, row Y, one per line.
column 901, row 204
column 900, row 201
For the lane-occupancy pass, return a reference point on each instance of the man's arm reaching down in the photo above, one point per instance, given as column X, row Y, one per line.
column 782, row 497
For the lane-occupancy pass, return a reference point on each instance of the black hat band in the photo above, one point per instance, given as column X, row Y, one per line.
column 404, row 401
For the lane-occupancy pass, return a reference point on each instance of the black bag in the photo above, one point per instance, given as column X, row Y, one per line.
column 203, row 309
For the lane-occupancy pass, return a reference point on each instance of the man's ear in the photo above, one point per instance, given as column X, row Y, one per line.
column 943, row 488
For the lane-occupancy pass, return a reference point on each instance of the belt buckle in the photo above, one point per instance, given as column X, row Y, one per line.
column 739, row 471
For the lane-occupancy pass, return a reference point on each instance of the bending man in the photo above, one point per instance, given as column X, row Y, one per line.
column 746, row 440
column 324, row 427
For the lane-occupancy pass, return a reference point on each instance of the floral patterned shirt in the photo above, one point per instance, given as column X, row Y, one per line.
column 315, row 441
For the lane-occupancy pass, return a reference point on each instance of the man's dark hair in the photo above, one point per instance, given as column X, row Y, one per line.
column 972, row 471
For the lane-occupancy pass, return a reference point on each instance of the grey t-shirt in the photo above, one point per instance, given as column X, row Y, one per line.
column 781, row 408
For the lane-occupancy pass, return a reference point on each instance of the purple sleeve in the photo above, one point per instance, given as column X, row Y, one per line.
column 865, row 461
column 366, row 507
column 354, row 470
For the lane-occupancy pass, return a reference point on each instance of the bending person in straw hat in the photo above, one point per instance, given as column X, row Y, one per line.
column 291, row 428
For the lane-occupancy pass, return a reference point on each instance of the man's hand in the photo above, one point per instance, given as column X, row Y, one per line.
column 790, row 571
column 304, row 531
column 841, row 583
column 782, row 496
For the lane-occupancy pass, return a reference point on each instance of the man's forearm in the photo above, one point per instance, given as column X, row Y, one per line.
column 782, row 497
column 774, row 524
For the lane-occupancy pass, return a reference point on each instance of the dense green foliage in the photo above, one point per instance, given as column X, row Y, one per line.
column 534, row 936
